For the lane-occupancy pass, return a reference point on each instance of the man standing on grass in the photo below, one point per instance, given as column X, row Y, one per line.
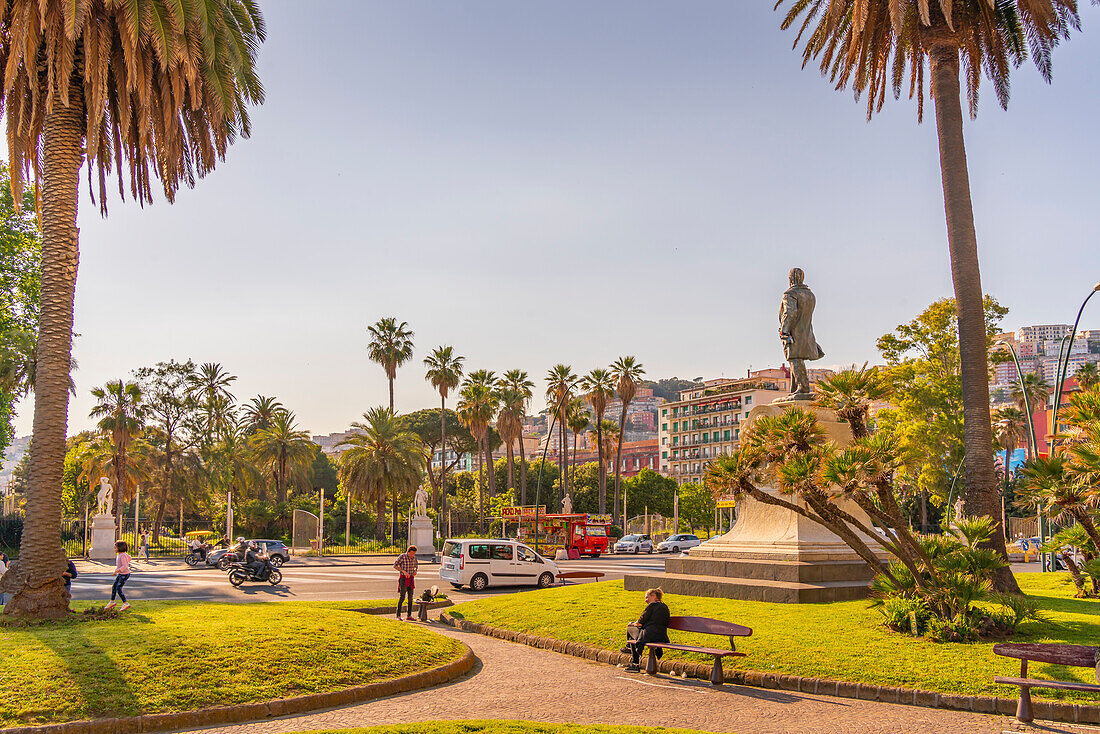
column 406, row 567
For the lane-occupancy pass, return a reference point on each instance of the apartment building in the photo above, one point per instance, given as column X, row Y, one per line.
column 706, row 421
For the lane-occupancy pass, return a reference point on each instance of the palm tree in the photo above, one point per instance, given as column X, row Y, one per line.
column 628, row 373
column 488, row 378
column 232, row 467
column 1029, row 396
column 869, row 43
column 1056, row 488
column 19, row 362
column 158, row 90
column 510, row 423
column 1087, row 375
column 517, row 381
column 259, row 414
column 476, row 408
column 390, row 346
column 559, row 387
column 444, row 373
column 120, row 414
column 577, row 421
column 599, row 386
column 382, row 459
column 283, row 448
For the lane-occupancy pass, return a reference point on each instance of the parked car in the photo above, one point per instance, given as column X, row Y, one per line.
column 634, row 544
column 678, row 542
column 480, row 563
column 276, row 549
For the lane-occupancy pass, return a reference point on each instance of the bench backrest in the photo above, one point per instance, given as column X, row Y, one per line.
column 1081, row 656
column 708, row 626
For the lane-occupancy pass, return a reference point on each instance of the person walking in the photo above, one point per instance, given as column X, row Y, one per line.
column 145, row 544
column 3, row 570
column 122, row 574
column 652, row 626
column 406, row 566
column 69, row 574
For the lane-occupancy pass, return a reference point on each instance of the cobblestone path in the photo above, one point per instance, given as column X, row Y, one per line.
column 518, row 682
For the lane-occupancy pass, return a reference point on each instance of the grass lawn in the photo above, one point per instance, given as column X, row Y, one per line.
column 175, row 656
column 843, row 641
column 504, row 727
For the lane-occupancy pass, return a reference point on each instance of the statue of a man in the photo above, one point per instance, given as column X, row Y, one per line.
column 796, row 331
column 420, row 503
column 104, row 496
column 567, row 505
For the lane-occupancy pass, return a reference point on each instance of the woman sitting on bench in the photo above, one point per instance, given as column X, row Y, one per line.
column 652, row 626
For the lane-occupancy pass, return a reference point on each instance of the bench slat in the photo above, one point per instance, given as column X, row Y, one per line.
column 1080, row 656
column 692, row 648
column 580, row 575
column 709, row 626
column 1038, row 683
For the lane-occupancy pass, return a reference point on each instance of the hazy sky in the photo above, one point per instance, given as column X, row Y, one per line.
column 542, row 182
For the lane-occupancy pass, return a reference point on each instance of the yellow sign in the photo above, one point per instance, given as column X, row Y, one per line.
column 599, row 519
column 726, row 502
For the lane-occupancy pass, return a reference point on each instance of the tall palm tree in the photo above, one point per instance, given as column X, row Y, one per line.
column 869, row 44
column 121, row 416
column 628, row 374
column 599, row 386
column 517, row 381
column 1087, row 375
column 232, row 467
column 382, row 459
column 390, row 346
column 559, row 387
column 577, row 421
column 510, row 423
column 444, row 373
column 488, row 378
column 259, row 414
column 160, row 89
column 1031, row 394
column 476, row 408
column 283, row 448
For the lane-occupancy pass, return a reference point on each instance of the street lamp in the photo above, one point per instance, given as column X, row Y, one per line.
column 1064, row 366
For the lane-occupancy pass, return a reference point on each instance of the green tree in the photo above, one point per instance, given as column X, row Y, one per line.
column 521, row 390
column 599, row 388
column 560, row 382
column 259, row 414
column 577, row 421
column 283, row 448
column 428, row 427
column 697, row 505
column 1087, row 375
column 444, row 373
column 476, row 407
column 648, row 489
column 157, row 90
column 121, row 416
column 390, row 346
column 628, row 373
column 870, row 44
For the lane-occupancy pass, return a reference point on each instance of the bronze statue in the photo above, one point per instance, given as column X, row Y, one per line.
column 796, row 331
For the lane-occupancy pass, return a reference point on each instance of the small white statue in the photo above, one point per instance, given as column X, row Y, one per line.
column 567, row 505
column 420, row 503
column 104, row 497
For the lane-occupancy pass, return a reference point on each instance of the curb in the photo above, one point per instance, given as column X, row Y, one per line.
column 1068, row 713
column 263, row 710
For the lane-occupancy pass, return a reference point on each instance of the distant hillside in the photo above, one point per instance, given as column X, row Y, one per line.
column 669, row 388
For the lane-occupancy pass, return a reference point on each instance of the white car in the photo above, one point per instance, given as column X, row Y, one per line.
column 634, row 544
column 480, row 563
column 677, row 543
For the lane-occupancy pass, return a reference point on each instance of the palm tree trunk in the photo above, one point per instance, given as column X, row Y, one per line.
column 481, row 480
column 602, row 467
column 120, row 491
column 981, row 479
column 390, row 379
column 39, row 590
column 511, row 483
column 380, row 511
column 436, row 500
column 618, row 463
column 522, row 472
column 566, row 480
column 573, row 469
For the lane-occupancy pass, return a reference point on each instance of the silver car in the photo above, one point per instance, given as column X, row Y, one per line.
column 678, row 542
column 634, row 544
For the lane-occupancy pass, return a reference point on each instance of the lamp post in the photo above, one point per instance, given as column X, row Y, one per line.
column 546, row 447
column 1064, row 366
column 1034, row 446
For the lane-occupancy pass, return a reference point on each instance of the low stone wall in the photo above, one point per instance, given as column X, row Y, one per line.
column 1047, row 710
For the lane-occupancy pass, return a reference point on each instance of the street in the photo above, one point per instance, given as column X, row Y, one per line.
column 311, row 579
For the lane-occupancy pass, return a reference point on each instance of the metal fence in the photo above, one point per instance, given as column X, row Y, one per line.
column 76, row 536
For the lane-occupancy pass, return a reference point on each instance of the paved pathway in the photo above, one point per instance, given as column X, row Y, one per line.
column 519, row 682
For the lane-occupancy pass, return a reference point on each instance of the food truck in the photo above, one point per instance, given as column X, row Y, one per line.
column 579, row 533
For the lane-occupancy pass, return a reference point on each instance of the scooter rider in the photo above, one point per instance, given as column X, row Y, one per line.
column 253, row 560
column 239, row 549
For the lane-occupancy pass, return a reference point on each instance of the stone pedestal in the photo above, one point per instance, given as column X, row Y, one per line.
column 103, row 538
column 422, row 535
column 772, row 554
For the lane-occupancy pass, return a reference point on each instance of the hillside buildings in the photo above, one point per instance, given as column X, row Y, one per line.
column 1038, row 348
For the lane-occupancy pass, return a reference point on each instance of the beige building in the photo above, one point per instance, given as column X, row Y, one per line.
column 706, row 421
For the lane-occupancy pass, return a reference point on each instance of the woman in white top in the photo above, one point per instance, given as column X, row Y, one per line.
column 3, row 569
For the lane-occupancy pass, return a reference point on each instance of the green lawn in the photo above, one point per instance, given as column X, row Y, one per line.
column 504, row 727
column 176, row 656
column 842, row 641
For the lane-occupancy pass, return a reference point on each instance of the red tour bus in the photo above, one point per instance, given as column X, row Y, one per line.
column 579, row 533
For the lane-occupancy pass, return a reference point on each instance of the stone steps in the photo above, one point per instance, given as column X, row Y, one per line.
column 771, row 569
column 749, row 589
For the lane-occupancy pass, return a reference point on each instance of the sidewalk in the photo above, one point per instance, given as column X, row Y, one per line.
column 519, row 682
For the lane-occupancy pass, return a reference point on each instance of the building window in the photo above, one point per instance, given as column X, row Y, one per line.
column 727, row 436
column 664, row 454
column 664, row 440
column 664, row 427
column 664, row 412
column 675, row 440
column 748, row 400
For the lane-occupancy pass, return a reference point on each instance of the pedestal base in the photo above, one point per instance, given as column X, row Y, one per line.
column 422, row 535
column 103, row 538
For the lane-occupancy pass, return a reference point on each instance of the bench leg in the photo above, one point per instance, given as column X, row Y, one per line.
column 717, row 677
column 423, row 615
column 651, row 662
column 1023, row 708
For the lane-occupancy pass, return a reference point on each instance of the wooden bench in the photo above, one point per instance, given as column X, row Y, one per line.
column 1080, row 656
column 705, row 626
column 566, row 575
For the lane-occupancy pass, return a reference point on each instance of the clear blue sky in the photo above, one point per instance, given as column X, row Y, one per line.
column 542, row 182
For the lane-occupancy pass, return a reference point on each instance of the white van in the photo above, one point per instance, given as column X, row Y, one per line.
column 481, row 563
